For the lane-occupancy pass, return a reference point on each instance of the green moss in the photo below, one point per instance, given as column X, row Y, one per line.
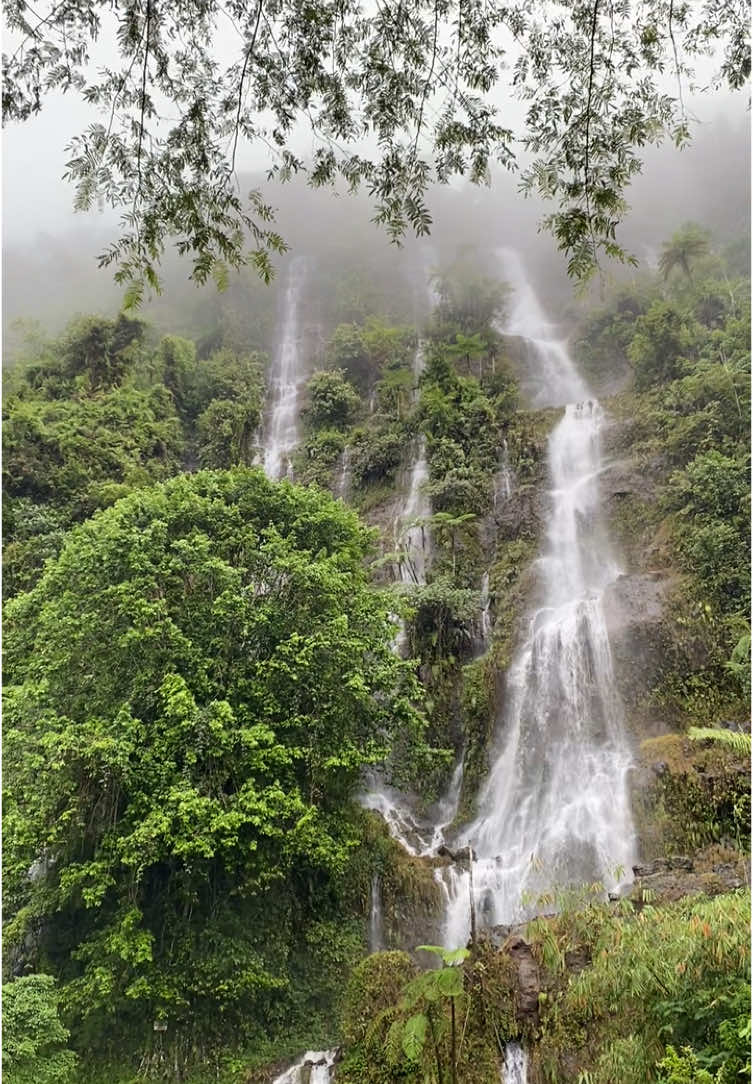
column 375, row 985
column 478, row 712
column 698, row 793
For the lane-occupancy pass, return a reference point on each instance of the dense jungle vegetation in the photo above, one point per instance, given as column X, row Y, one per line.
column 199, row 669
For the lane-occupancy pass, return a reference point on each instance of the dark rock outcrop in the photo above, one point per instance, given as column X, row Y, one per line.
column 528, row 980
column 640, row 639
column 665, row 880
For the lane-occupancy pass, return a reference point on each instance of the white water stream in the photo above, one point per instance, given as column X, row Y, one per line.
column 320, row 1063
column 549, row 377
column 287, row 379
column 376, row 921
column 412, row 536
column 554, row 810
column 504, row 481
column 515, row 1068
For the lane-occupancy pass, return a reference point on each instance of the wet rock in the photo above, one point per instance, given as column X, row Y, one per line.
column 577, row 959
column 522, row 514
column 639, row 635
column 676, row 885
column 625, row 478
column 664, row 865
column 528, row 983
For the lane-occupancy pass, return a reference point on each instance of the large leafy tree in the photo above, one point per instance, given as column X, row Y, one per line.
column 193, row 689
column 397, row 95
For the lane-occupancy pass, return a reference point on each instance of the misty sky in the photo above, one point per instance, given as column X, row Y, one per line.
column 37, row 200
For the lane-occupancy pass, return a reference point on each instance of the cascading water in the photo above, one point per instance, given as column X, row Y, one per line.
column 555, row 810
column 376, row 934
column 549, row 377
column 314, row 1067
column 412, row 534
column 281, row 434
column 504, row 480
column 418, row 836
column 485, row 622
column 515, row 1068
column 343, row 485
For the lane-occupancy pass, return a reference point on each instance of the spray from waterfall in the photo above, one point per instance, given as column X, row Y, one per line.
column 555, row 809
column 287, row 379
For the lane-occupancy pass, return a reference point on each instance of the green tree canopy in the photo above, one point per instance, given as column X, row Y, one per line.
column 193, row 689
column 333, row 402
column 34, row 1040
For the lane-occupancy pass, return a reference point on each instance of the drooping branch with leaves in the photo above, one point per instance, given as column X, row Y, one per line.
column 396, row 97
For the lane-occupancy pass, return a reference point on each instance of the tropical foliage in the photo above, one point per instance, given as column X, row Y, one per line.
column 193, row 689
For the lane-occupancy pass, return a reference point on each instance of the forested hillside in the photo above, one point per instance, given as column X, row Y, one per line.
column 253, row 715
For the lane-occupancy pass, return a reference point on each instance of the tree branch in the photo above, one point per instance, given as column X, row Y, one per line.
column 249, row 53
column 677, row 62
column 429, row 78
column 143, row 98
column 586, row 171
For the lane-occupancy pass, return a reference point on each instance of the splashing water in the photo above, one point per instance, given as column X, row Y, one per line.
column 418, row 836
column 285, row 386
column 555, row 810
column 320, row 1061
column 515, row 1069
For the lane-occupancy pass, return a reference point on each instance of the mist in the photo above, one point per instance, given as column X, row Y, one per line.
column 51, row 273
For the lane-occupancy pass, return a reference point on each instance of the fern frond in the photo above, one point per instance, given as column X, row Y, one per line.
column 734, row 740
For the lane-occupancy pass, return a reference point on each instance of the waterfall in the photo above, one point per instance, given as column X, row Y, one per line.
column 549, row 377
column 376, row 935
column 412, row 539
column 281, row 436
column 320, row 1062
column 504, row 480
column 485, row 623
column 555, row 809
column 515, row 1070
column 419, row 837
column 343, row 485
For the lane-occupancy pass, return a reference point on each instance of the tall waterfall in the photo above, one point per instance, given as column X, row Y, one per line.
column 281, row 434
column 554, row 809
column 412, row 538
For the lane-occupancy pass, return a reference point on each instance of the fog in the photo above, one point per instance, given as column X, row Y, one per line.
column 50, row 270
